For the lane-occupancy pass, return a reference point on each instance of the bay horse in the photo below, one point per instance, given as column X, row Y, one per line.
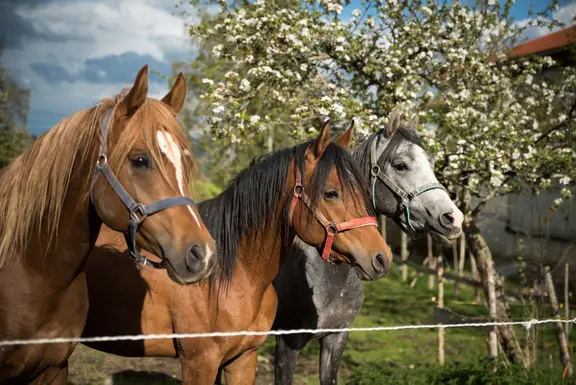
column 93, row 167
column 404, row 188
column 307, row 190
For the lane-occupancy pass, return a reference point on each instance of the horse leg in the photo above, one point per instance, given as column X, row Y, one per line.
column 53, row 375
column 285, row 359
column 218, row 380
column 242, row 371
column 198, row 373
column 331, row 348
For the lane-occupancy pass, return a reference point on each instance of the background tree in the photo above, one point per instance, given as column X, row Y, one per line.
column 13, row 115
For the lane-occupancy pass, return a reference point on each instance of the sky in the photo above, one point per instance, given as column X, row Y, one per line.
column 72, row 53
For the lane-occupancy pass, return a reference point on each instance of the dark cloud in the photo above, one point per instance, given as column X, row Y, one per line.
column 109, row 69
column 119, row 68
column 12, row 27
column 53, row 73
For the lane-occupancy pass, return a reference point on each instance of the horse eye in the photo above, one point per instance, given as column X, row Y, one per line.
column 400, row 166
column 140, row 161
column 332, row 194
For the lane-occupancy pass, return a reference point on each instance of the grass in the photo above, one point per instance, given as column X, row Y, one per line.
column 388, row 302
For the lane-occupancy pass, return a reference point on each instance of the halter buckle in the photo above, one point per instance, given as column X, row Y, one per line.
column 138, row 215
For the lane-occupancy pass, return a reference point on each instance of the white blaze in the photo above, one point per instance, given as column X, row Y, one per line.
column 170, row 148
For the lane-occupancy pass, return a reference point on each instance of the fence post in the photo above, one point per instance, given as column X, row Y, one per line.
column 461, row 262
column 493, row 337
column 431, row 262
column 562, row 342
column 567, row 298
column 404, row 254
column 440, row 273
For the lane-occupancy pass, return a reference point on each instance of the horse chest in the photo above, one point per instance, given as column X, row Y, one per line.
column 61, row 314
column 258, row 316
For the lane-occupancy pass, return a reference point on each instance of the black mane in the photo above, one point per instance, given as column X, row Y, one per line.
column 253, row 198
column 362, row 153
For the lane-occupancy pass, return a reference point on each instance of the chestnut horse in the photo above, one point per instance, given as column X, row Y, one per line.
column 306, row 191
column 91, row 169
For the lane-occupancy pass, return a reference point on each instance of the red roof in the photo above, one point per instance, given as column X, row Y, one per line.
column 548, row 43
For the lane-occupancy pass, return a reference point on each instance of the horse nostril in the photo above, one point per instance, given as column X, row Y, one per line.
column 195, row 257
column 381, row 263
column 447, row 220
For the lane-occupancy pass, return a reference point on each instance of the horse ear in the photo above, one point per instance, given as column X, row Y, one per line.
column 343, row 140
column 138, row 93
column 414, row 122
column 393, row 122
column 323, row 140
column 177, row 95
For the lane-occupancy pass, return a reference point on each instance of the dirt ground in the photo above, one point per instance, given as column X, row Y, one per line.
column 89, row 366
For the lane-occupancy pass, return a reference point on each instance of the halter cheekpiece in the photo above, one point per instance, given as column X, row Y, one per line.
column 138, row 212
column 331, row 228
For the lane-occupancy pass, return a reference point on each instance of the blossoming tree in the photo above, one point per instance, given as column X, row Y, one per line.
column 495, row 123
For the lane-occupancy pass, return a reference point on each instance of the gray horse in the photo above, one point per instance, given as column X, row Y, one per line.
column 315, row 294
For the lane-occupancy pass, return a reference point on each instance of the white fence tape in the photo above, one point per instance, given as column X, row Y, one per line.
column 527, row 324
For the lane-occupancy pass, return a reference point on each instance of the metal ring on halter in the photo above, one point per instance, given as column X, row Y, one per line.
column 102, row 160
column 375, row 170
column 298, row 189
column 331, row 227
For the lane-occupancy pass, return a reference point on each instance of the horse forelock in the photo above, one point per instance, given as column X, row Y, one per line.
column 143, row 127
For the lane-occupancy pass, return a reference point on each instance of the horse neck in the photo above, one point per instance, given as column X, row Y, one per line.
column 260, row 256
column 78, row 227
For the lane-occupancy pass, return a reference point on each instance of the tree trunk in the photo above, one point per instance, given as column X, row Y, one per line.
column 562, row 342
column 483, row 257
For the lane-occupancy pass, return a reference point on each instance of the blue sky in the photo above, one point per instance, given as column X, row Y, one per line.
column 72, row 53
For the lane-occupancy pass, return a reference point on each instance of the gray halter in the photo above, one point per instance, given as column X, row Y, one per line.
column 405, row 197
column 138, row 211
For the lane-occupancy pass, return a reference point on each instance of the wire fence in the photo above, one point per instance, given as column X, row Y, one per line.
column 526, row 324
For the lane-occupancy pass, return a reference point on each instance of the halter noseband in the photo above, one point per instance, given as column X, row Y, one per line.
column 138, row 212
column 405, row 197
column 331, row 228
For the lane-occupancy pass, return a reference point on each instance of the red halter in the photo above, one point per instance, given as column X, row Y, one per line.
column 331, row 228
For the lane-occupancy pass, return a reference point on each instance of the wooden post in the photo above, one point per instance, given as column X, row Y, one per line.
column 562, row 341
column 383, row 226
column 475, row 275
column 270, row 141
column 455, row 258
column 456, row 265
column 461, row 262
column 431, row 262
column 493, row 337
column 567, row 298
column 404, row 254
column 440, row 273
